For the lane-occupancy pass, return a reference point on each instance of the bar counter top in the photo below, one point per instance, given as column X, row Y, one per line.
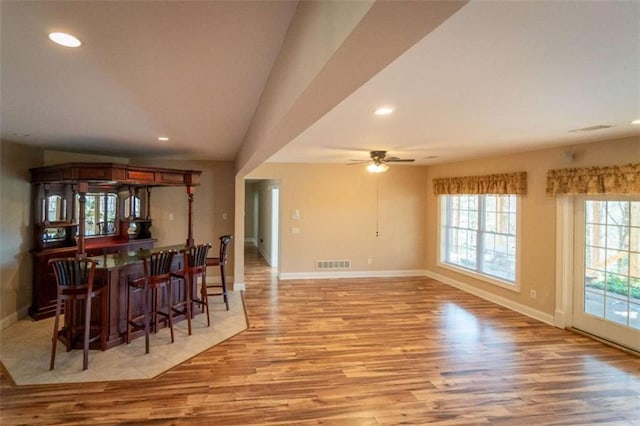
column 124, row 259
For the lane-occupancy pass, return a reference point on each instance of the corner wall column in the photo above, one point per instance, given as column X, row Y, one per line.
column 83, row 187
column 190, row 216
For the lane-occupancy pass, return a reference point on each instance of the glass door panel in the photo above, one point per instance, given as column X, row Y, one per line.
column 607, row 290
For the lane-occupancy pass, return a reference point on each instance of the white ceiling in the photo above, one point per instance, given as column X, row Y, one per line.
column 193, row 71
column 496, row 77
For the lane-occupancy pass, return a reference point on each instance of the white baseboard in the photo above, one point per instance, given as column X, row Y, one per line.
column 349, row 274
column 252, row 241
column 559, row 319
column 265, row 256
column 14, row 317
column 238, row 287
column 510, row 304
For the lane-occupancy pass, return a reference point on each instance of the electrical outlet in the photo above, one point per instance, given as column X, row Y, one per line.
column 369, row 261
column 533, row 294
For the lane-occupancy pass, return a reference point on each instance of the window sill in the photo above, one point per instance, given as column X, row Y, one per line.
column 515, row 287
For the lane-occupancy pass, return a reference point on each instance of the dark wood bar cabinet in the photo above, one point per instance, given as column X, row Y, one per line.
column 94, row 209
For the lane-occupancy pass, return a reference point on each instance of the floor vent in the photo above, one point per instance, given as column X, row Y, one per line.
column 333, row 264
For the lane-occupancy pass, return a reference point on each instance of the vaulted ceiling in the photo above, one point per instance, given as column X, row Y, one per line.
column 494, row 77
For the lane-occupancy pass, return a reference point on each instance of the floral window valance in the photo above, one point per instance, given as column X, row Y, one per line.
column 595, row 180
column 506, row 183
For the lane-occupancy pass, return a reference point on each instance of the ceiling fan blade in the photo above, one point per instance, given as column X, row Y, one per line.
column 399, row 160
column 352, row 162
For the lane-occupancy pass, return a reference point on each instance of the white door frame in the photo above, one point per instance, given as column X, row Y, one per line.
column 275, row 225
column 563, row 315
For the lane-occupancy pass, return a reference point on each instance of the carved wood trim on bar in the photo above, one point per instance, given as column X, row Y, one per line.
column 116, row 174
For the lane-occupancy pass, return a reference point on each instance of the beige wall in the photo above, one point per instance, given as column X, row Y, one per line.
column 213, row 205
column 538, row 213
column 60, row 157
column 16, row 228
column 338, row 216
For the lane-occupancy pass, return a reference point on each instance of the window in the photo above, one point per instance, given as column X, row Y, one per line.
column 478, row 233
column 612, row 261
column 100, row 213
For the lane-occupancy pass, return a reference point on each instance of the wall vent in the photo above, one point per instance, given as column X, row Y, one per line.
column 333, row 264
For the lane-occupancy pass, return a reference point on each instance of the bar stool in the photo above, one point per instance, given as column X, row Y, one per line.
column 194, row 269
column 222, row 262
column 157, row 274
column 74, row 279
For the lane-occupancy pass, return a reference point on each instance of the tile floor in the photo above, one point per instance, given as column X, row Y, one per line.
column 25, row 349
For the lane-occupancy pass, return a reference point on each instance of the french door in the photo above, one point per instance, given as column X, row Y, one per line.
column 606, row 299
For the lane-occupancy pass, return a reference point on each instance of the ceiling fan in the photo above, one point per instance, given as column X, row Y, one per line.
column 379, row 160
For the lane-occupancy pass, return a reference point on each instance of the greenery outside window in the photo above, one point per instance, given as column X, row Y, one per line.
column 479, row 234
column 612, row 260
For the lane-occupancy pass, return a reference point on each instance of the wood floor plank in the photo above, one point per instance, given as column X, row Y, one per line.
column 362, row 352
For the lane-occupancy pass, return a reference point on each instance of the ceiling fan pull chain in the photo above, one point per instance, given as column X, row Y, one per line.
column 377, row 204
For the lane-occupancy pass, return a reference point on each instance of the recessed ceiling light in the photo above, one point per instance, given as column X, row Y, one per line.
column 163, row 138
column 384, row 110
column 636, row 121
column 64, row 39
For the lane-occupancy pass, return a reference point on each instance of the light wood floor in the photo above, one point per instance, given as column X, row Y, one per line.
column 362, row 352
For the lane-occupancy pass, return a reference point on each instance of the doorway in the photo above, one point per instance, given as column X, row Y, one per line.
column 606, row 291
column 275, row 214
column 262, row 218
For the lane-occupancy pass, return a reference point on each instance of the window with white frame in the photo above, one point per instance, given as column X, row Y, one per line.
column 479, row 234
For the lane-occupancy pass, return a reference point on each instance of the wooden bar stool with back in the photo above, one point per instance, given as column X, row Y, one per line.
column 194, row 269
column 75, row 282
column 157, row 274
column 222, row 262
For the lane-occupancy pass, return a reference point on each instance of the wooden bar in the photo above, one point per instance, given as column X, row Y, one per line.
column 115, row 270
column 43, row 303
column 65, row 235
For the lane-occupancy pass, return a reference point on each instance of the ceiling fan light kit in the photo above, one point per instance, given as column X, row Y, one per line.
column 377, row 167
column 379, row 160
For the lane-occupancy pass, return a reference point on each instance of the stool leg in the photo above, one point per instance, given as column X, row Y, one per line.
column 104, row 326
column 224, row 285
column 128, row 338
column 69, row 320
column 187, row 300
column 87, row 333
column 170, row 310
column 145, row 312
column 154, row 312
column 54, row 341
column 205, row 298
